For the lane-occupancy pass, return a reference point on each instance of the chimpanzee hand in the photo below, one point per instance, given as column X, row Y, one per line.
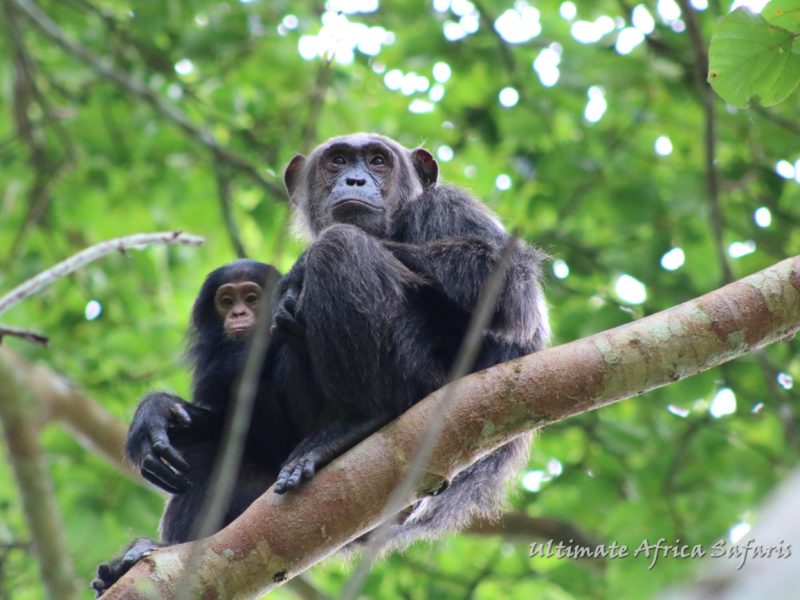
column 413, row 257
column 148, row 445
column 287, row 320
column 287, row 323
column 109, row 572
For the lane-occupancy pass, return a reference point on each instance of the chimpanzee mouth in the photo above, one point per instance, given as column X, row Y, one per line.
column 354, row 203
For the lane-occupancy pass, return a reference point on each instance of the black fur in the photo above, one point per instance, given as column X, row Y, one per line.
column 382, row 312
column 187, row 435
column 367, row 323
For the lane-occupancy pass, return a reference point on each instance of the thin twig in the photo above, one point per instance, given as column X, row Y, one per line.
column 140, row 89
column 25, row 334
column 462, row 365
column 226, row 204
column 316, row 102
column 707, row 100
column 46, row 169
column 788, row 124
column 65, row 267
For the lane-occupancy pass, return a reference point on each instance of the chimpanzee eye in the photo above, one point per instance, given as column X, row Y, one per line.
column 338, row 160
column 251, row 298
column 226, row 302
column 378, row 160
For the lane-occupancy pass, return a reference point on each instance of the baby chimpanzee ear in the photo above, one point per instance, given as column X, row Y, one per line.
column 426, row 167
column 291, row 176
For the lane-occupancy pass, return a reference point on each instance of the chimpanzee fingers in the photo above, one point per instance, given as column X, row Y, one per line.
column 290, row 302
column 158, row 473
column 155, row 480
column 289, row 329
column 405, row 253
column 164, row 450
column 288, row 323
column 180, row 415
column 161, row 447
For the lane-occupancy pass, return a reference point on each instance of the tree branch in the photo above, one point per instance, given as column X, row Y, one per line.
column 707, row 100
column 226, row 204
column 56, row 398
column 278, row 537
column 36, row 488
column 141, row 90
column 46, row 169
column 26, row 334
column 65, row 267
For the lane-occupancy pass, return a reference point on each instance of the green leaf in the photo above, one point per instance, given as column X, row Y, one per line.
column 784, row 14
column 751, row 61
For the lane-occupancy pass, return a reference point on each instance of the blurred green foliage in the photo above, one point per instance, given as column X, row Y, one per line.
column 605, row 168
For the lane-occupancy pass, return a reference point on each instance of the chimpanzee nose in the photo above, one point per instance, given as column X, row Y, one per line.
column 355, row 181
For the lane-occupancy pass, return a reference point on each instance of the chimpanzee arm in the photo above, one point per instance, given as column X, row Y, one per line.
column 452, row 241
column 318, row 449
column 458, row 269
column 148, row 445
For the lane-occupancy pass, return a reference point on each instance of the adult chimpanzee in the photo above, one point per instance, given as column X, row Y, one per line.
column 381, row 301
column 371, row 316
column 175, row 443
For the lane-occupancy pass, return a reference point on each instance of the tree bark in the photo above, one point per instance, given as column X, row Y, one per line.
column 281, row 536
column 56, row 398
column 18, row 417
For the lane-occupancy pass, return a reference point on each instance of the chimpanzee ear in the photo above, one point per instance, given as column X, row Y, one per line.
column 426, row 166
column 291, row 176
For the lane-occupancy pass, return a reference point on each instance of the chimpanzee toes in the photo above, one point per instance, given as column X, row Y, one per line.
column 107, row 574
column 295, row 472
column 286, row 479
column 309, row 467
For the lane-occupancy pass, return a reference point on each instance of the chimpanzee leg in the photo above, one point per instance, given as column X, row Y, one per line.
column 362, row 332
column 363, row 336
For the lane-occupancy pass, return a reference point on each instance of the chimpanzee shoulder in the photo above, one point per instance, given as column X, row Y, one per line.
column 445, row 211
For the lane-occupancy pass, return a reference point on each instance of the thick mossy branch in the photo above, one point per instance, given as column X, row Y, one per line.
column 281, row 536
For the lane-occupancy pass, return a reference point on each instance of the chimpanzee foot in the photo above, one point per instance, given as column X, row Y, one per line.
column 109, row 572
column 296, row 470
